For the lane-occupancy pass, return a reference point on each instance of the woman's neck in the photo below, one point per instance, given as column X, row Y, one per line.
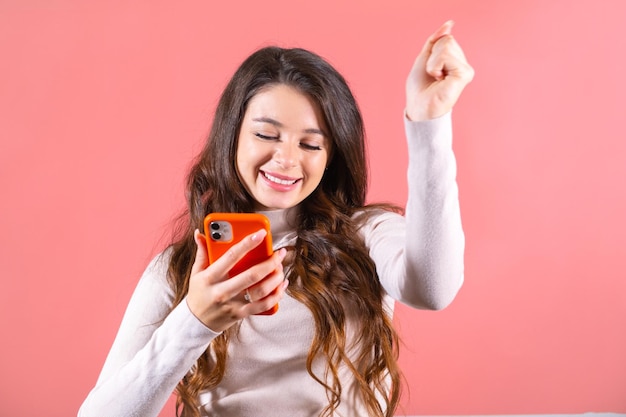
column 283, row 225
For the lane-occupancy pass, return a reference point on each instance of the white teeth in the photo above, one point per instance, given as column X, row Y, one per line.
column 278, row 180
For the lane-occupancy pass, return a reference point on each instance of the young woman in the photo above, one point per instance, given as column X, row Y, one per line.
column 287, row 141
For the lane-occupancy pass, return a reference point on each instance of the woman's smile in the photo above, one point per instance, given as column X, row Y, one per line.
column 279, row 180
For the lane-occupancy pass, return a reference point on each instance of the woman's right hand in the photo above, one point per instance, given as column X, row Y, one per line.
column 217, row 300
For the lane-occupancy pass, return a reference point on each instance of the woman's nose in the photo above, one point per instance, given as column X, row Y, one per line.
column 286, row 154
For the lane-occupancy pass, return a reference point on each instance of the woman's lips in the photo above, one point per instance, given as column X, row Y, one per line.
column 279, row 182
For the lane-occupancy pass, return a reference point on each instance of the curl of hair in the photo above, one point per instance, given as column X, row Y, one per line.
column 332, row 273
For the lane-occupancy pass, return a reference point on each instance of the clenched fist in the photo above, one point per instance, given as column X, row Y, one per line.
column 439, row 75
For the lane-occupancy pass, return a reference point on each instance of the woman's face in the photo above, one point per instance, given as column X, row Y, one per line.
column 283, row 147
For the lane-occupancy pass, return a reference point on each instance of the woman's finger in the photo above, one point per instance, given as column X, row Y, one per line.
column 267, row 285
column 268, row 302
column 254, row 275
column 445, row 29
column 201, row 260
column 447, row 58
column 220, row 268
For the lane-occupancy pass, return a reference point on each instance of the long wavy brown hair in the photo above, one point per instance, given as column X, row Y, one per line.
column 332, row 273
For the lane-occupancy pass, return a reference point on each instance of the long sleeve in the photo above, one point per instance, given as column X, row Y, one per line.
column 419, row 256
column 151, row 353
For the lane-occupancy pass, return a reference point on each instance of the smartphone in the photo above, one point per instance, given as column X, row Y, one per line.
column 222, row 230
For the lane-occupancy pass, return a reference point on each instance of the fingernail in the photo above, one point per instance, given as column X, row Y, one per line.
column 282, row 252
column 259, row 235
column 285, row 284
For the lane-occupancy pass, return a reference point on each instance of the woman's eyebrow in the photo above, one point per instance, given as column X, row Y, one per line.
column 268, row 120
column 279, row 124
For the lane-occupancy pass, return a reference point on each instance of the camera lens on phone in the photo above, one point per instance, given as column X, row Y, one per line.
column 215, row 226
column 216, row 235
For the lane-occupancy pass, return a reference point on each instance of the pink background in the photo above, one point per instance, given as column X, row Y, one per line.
column 103, row 104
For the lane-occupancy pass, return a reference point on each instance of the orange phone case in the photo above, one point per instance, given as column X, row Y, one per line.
column 223, row 230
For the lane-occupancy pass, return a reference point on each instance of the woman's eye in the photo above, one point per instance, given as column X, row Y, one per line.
column 311, row 147
column 265, row 137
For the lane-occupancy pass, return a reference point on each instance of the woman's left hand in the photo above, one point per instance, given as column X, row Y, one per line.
column 439, row 75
